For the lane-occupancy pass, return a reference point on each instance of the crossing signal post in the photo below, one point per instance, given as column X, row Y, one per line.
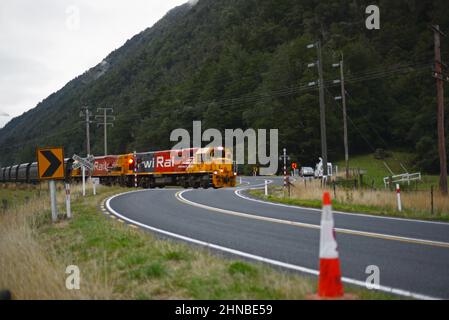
column 83, row 163
column 285, row 158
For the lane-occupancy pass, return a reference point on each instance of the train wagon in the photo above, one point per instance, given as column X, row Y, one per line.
column 23, row 173
column 111, row 169
column 196, row 167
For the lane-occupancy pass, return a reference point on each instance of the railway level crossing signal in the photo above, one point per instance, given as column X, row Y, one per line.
column 84, row 163
column 285, row 158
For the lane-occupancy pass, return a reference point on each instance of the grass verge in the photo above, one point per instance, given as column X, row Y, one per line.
column 347, row 203
column 117, row 261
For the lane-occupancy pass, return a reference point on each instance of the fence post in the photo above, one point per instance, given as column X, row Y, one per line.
column 431, row 200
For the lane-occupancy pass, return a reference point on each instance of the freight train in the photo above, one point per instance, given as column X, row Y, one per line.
column 188, row 168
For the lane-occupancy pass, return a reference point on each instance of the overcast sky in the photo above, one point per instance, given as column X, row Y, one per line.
column 46, row 43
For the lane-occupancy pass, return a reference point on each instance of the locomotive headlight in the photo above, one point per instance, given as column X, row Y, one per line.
column 221, row 170
column 235, row 173
column 215, row 172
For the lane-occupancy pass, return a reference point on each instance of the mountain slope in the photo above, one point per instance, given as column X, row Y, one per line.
column 243, row 63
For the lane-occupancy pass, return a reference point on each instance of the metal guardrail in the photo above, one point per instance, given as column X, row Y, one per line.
column 405, row 177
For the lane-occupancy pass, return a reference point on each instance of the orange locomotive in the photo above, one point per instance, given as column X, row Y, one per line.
column 196, row 167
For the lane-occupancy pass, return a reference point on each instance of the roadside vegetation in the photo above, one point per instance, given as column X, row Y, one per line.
column 117, row 261
column 368, row 194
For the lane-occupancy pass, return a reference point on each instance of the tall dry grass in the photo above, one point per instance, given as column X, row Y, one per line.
column 29, row 268
column 417, row 201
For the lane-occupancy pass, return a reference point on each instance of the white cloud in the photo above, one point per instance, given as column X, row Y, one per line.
column 44, row 44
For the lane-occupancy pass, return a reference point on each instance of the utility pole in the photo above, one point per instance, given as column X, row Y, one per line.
column 438, row 75
column 345, row 123
column 317, row 45
column 87, row 114
column 105, row 124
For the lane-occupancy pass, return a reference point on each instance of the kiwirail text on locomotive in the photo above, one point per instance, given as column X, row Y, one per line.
column 234, row 140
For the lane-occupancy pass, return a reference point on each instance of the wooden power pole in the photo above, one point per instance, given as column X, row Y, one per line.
column 345, row 117
column 440, row 116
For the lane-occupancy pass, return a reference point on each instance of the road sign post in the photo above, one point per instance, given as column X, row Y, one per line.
column 50, row 164
column 54, row 207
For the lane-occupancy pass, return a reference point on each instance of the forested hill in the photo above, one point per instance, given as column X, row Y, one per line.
column 243, row 64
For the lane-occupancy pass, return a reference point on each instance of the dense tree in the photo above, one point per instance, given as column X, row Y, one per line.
column 243, row 64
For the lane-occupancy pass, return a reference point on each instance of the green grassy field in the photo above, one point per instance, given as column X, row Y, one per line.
column 118, row 261
column 376, row 169
column 11, row 196
column 418, row 202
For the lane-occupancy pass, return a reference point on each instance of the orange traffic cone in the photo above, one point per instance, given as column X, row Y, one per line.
column 330, row 285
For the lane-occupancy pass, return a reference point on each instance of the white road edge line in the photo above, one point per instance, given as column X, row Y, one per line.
column 386, row 289
column 180, row 197
column 239, row 190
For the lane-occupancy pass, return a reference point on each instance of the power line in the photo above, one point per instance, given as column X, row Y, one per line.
column 352, row 123
column 87, row 115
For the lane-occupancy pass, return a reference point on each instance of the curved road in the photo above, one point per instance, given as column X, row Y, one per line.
column 412, row 256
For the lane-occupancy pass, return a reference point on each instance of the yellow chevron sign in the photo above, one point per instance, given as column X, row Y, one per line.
column 50, row 163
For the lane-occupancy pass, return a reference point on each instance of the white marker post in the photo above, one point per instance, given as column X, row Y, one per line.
column 95, row 182
column 54, row 208
column 94, row 186
column 398, row 193
column 83, row 170
column 266, row 188
column 67, row 201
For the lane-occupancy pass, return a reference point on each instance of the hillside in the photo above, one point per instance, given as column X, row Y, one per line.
column 243, row 64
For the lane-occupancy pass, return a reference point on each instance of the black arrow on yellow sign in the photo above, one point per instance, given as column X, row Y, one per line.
column 55, row 163
column 50, row 162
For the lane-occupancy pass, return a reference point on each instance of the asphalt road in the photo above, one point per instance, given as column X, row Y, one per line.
column 412, row 256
